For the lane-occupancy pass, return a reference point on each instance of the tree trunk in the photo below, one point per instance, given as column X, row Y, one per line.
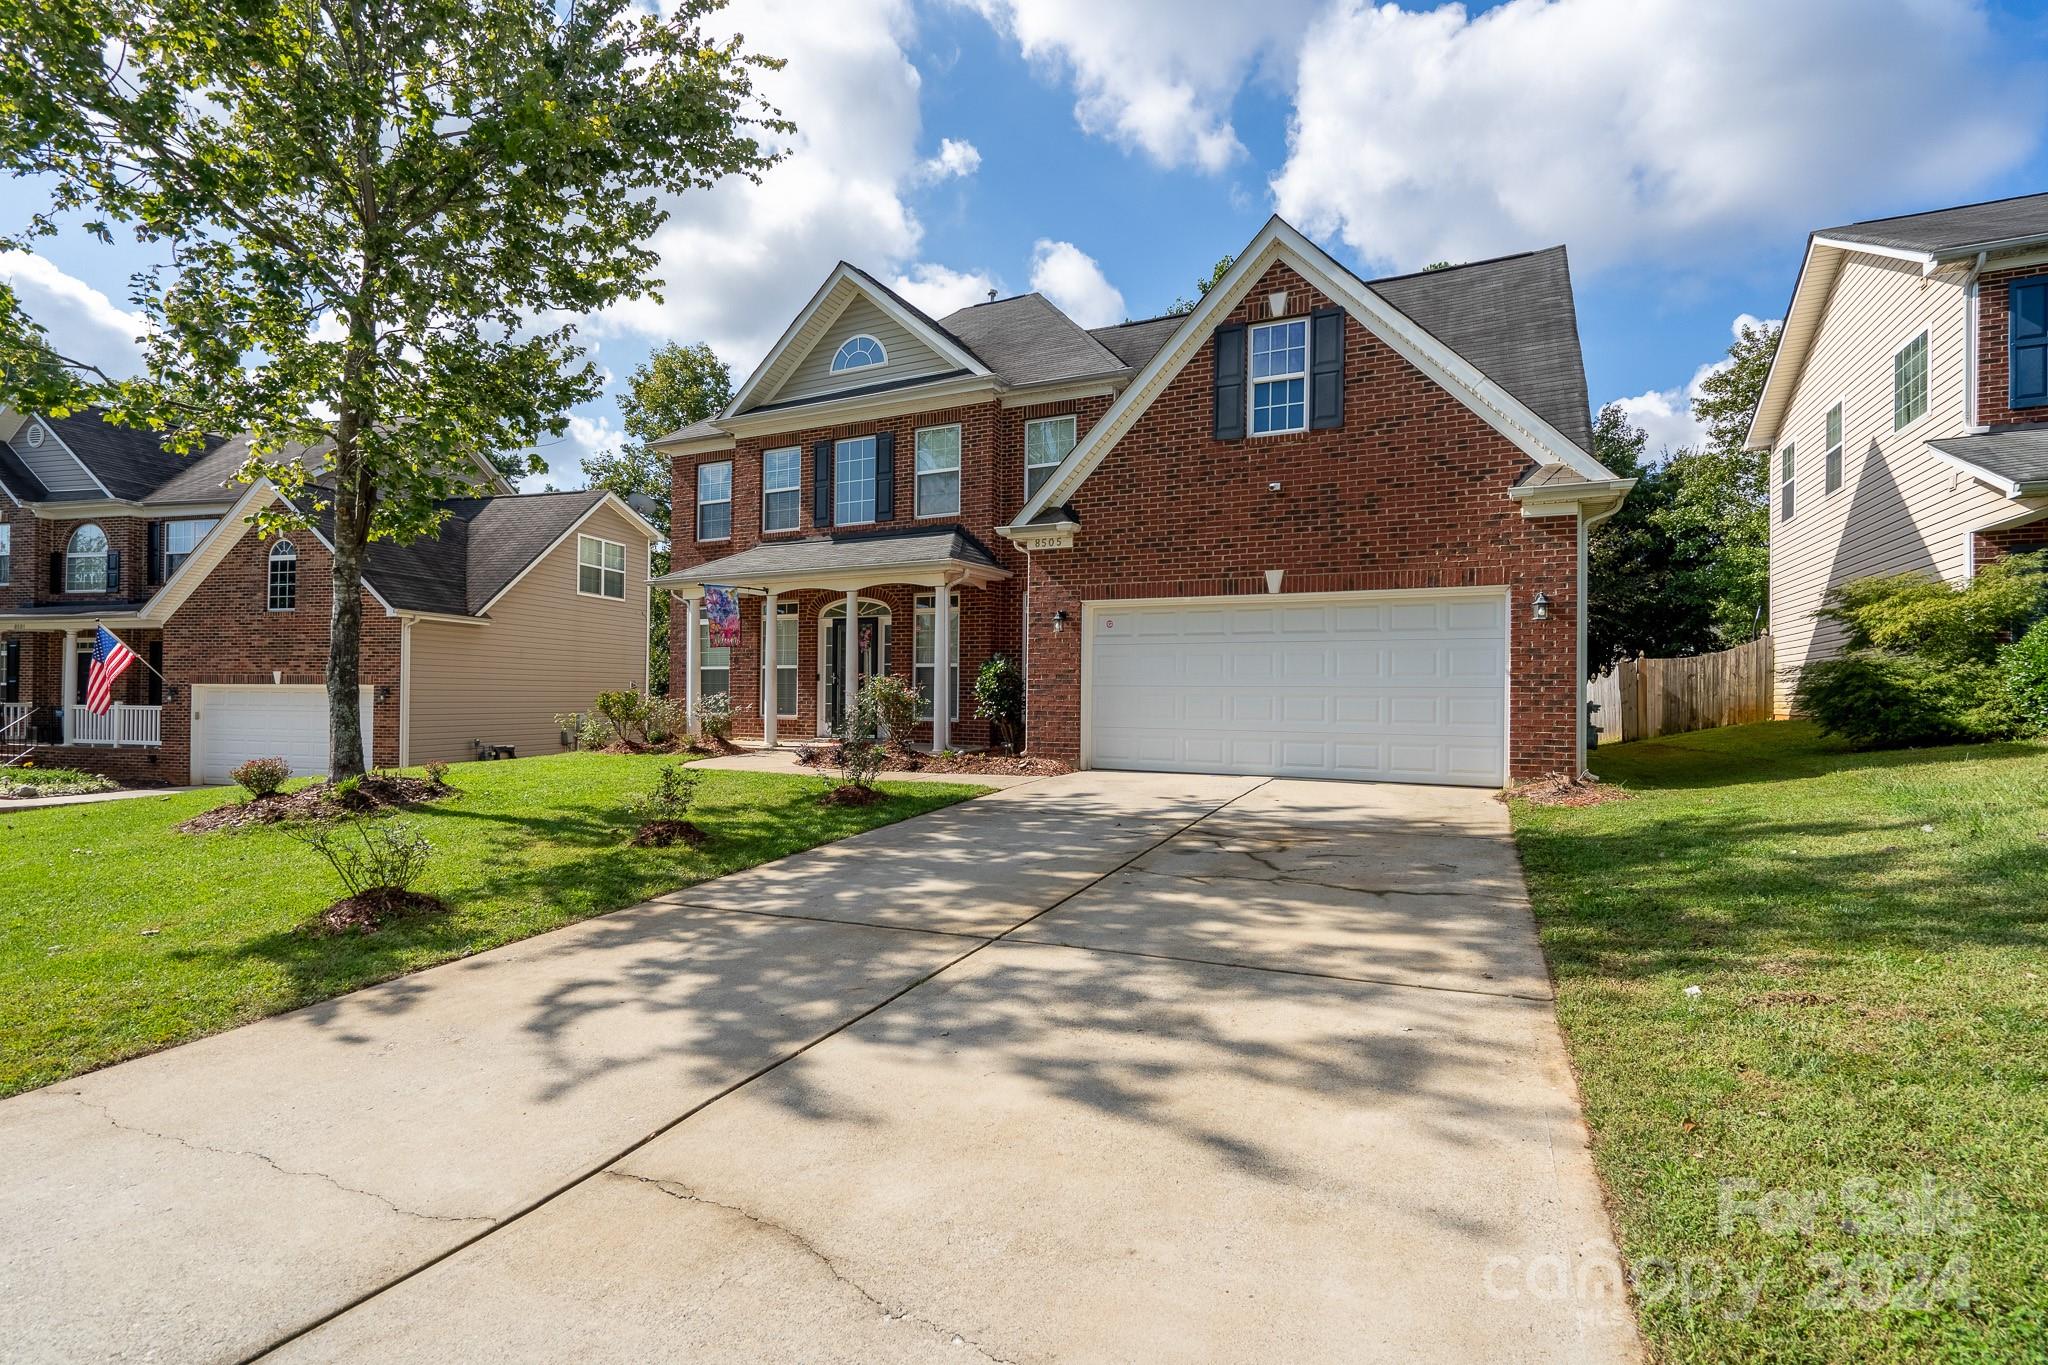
column 352, row 507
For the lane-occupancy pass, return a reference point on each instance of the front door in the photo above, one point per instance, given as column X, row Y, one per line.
column 869, row 649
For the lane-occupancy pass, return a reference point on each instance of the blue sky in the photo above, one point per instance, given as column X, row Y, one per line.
column 1108, row 151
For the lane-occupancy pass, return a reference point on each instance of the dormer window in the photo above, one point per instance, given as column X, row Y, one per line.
column 857, row 353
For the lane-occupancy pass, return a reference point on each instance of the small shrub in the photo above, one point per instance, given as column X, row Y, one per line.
column 261, row 776
column 372, row 856
column 662, row 720
column 674, row 791
column 715, row 715
column 2023, row 675
column 437, row 772
column 1875, row 699
column 1912, row 613
column 625, row 712
column 999, row 700
column 894, row 704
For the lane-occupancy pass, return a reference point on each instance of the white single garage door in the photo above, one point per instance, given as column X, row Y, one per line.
column 1401, row 687
column 233, row 724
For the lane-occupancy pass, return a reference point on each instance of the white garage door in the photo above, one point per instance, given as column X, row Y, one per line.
column 232, row 724
column 1402, row 687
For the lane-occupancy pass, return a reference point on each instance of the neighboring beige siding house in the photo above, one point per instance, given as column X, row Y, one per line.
column 1904, row 415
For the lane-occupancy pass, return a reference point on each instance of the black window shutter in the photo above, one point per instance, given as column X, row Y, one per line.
column 1326, row 368
column 821, row 483
column 885, row 475
column 1226, row 387
column 156, row 673
column 113, row 571
column 156, row 552
column 56, row 571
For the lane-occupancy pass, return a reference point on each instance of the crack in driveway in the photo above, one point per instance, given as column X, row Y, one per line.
column 675, row 1190
column 104, row 1112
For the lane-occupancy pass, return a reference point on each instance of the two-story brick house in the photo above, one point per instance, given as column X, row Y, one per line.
column 1905, row 418
column 1315, row 526
column 521, row 608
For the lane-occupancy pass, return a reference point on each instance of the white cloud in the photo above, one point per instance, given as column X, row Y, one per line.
column 939, row 291
column 1070, row 277
column 957, row 158
column 740, row 259
column 1666, row 414
column 83, row 323
column 565, row 454
column 1641, row 128
column 1158, row 76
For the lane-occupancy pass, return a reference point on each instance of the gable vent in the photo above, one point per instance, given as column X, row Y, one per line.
column 35, row 435
column 1276, row 304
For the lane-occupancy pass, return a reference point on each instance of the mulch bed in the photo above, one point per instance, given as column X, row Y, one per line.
column 662, row 833
column 374, row 791
column 1562, row 789
column 849, row 795
column 371, row 911
column 998, row 764
column 708, row 747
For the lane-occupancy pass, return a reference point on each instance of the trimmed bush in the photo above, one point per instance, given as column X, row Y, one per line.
column 999, row 699
column 1875, row 699
column 2023, row 675
column 261, row 776
column 894, row 704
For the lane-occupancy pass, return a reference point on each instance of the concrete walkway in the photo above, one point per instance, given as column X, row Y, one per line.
column 14, row 803
column 1105, row 1066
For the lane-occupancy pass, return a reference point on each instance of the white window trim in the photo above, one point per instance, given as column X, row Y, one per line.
column 792, row 613
column 704, row 648
column 1251, row 385
column 1927, row 398
column 874, row 475
column 838, row 368
column 106, row 548
column 164, row 540
column 6, row 554
column 1072, row 418
column 923, row 607
column 796, row 488
column 270, row 561
column 917, row 479
column 702, row 502
column 602, row 570
column 1828, row 450
column 1788, row 478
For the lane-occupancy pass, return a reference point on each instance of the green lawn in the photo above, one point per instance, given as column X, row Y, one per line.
column 1867, row 935
column 528, row 846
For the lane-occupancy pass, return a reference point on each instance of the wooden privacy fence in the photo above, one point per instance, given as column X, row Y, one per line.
column 1643, row 698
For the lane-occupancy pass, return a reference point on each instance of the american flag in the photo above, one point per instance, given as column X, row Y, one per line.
column 110, row 659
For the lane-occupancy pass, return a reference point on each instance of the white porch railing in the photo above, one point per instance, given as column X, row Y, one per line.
column 13, row 718
column 123, row 726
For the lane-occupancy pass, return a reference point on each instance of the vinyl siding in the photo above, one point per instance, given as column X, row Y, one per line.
column 908, row 357
column 547, row 650
column 1899, row 508
column 57, row 468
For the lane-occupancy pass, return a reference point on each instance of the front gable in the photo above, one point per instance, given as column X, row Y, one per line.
column 43, row 452
column 901, row 345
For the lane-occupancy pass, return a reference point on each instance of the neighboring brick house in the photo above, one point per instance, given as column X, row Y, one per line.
column 520, row 608
column 1315, row 527
column 1905, row 418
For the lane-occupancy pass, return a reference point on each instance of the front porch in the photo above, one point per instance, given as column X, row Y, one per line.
column 820, row 617
column 44, row 669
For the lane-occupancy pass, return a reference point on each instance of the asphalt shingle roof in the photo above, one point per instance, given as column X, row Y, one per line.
column 131, row 463
column 1970, row 227
column 931, row 546
column 2018, row 454
column 1514, row 320
column 1135, row 343
column 1025, row 340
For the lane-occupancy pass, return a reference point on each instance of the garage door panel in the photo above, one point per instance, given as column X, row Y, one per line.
column 235, row 724
column 1390, row 689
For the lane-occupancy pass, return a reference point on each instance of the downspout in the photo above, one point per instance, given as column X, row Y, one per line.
column 405, row 691
column 1971, row 426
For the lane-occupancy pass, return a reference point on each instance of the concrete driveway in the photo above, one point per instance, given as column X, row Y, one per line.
column 1110, row 1066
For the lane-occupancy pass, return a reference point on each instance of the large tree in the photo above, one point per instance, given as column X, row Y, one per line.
column 1635, row 570
column 375, row 217
column 677, row 386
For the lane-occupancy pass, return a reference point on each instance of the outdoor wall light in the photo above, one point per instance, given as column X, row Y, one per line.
column 1059, row 621
column 1540, row 606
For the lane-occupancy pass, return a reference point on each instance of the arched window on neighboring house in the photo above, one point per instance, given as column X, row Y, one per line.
column 857, row 353
column 284, row 576
column 85, row 560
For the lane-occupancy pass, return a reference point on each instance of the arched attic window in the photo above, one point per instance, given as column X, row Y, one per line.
column 857, row 353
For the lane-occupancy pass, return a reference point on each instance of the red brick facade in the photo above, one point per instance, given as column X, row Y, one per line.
column 1410, row 493
column 1994, row 374
column 1996, row 545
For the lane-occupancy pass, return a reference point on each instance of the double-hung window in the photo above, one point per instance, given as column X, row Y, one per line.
column 781, row 488
column 1046, row 443
column 6, row 553
column 2026, row 303
column 180, row 539
column 1785, row 484
column 1909, row 383
column 714, row 501
column 788, row 621
column 853, row 482
column 938, row 472
column 1834, row 475
column 1280, row 377
column 600, row 568
column 283, row 577
column 714, row 666
column 923, row 675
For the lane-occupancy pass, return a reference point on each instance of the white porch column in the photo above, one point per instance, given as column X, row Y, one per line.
column 69, row 673
column 768, row 675
column 690, row 665
column 943, row 682
column 849, row 668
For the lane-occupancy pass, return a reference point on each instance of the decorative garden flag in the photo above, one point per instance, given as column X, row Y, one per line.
column 722, row 613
